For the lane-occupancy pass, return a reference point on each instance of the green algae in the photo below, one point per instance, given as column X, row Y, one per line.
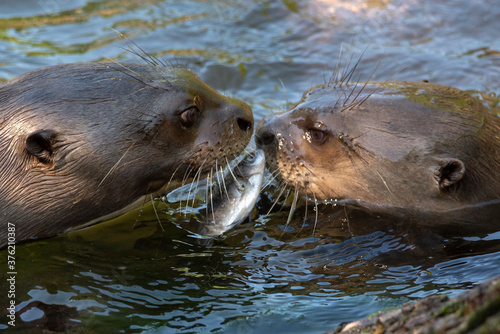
column 291, row 5
column 480, row 315
column 452, row 308
column 243, row 70
column 433, row 96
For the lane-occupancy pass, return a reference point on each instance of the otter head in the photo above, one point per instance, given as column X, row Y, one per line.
column 398, row 146
column 81, row 141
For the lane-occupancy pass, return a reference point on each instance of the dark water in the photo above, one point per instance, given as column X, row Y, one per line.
column 133, row 275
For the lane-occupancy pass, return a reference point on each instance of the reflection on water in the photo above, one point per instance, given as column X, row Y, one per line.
column 136, row 275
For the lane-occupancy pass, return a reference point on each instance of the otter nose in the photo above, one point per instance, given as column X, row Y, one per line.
column 243, row 115
column 264, row 136
column 244, row 124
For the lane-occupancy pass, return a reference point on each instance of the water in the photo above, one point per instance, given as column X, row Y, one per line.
column 135, row 276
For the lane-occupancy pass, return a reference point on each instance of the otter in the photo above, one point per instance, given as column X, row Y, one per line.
column 84, row 142
column 412, row 149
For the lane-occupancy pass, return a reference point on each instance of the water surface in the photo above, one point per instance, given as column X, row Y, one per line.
column 136, row 275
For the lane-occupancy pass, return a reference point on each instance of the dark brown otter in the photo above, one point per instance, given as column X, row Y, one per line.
column 83, row 141
column 394, row 147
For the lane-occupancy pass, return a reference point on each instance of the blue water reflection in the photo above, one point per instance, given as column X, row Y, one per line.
column 268, row 53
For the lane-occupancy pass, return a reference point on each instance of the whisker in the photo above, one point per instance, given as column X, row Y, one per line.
column 335, row 76
column 350, row 94
column 276, row 201
column 366, row 98
column 385, row 183
column 234, row 177
column 148, row 57
column 198, row 181
column 271, row 180
column 292, row 209
column 156, row 213
column 305, row 216
column 286, row 196
column 211, row 196
column 351, row 72
column 144, row 201
column 224, row 182
column 129, row 74
column 366, row 83
column 349, row 151
column 172, row 177
column 305, row 213
column 209, row 185
column 191, row 186
column 216, row 174
column 145, row 56
column 347, row 72
column 129, row 49
column 294, row 205
column 184, row 178
column 315, row 209
column 116, row 164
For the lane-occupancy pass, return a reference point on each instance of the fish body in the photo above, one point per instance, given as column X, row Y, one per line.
column 232, row 200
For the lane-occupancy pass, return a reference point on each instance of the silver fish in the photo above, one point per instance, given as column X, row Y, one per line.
column 232, row 200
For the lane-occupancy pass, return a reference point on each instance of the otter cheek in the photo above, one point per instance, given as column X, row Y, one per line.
column 155, row 185
column 210, row 132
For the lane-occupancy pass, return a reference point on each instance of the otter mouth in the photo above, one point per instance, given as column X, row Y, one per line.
column 197, row 170
column 312, row 193
column 206, row 162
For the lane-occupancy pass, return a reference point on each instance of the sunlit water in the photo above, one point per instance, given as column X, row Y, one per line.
column 135, row 275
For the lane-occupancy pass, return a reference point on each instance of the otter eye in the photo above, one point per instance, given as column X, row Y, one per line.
column 189, row 116
column 250, row 158
column 318, row 136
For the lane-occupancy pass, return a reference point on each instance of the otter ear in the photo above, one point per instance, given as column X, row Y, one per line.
column 41, row 145
column 449, row 172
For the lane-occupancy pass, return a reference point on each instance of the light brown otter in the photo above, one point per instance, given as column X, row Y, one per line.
column 84, row 141
column 396, row 147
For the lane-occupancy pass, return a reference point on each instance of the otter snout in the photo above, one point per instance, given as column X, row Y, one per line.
column 243, row 115
column 245, row 120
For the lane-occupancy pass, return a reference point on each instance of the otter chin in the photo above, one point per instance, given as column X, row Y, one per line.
column 83, row 142
column 396, row 147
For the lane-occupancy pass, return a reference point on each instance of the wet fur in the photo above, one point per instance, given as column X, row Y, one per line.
column 111, row 137
column 354, row 166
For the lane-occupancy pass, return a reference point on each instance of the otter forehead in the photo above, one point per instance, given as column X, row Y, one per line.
column 428, row 99
column 100, row 93
column 185, row 79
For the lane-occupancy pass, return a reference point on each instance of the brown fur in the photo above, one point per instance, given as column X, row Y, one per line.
column 82, row 141
column 394, row 147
